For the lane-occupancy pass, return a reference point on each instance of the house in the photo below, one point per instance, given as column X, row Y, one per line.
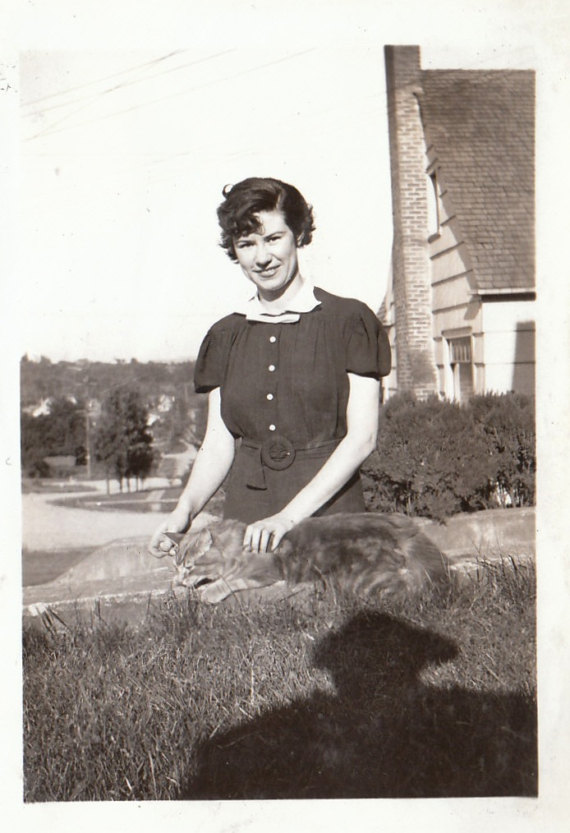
column 460, row 305
column 45, row 406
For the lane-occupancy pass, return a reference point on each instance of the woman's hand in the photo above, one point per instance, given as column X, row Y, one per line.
column 160, row 544
column 265, row 535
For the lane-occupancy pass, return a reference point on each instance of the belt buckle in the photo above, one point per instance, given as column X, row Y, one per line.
column 277, row 453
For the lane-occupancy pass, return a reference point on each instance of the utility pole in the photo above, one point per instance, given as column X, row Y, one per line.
column 88, row 458
column 88, row 439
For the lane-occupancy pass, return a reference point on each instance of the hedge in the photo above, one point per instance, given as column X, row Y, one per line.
column 435, row 458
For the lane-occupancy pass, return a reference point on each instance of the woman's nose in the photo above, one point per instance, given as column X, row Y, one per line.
column 262, row 256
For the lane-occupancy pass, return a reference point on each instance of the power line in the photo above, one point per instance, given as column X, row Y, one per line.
column 125, row 84
column 105, row 78
column 365, row 109
column 49, row 132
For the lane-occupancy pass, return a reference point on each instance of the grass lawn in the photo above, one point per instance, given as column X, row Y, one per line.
column 333, row 698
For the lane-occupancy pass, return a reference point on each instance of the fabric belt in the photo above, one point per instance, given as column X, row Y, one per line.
column 278, row 453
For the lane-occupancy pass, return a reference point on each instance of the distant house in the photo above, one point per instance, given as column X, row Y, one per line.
column 460, row 306
column 45, row 406
column 165, row 403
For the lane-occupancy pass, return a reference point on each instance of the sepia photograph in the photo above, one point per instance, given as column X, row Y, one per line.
column 277, row 314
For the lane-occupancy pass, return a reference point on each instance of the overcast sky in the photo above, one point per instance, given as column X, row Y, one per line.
column 123, row 155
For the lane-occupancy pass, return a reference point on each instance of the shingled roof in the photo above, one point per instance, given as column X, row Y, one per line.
column 481, row 127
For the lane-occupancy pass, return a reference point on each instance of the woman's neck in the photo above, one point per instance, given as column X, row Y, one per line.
column 280, row 300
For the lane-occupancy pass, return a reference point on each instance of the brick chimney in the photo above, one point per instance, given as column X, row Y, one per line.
column 415, row 361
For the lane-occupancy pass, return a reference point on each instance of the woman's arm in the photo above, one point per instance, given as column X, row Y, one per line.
column 359, row 442
column 211, row 466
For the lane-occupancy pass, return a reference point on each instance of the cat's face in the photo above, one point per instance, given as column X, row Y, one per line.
column 212, row 561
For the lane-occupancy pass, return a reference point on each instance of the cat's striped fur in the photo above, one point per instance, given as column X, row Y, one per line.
column 367, row 553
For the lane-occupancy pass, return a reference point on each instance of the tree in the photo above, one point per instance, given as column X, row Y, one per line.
column 122, row 440
column 61, row 431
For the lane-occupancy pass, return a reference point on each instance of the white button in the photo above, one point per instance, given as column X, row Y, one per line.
column 272, row 428
column 272, row 339
column 271, row 368
column 270, row 396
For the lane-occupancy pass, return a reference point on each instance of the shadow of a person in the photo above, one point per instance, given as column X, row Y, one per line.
column 385, row 733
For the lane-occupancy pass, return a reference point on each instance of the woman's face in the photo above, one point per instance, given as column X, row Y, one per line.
column 269, row 256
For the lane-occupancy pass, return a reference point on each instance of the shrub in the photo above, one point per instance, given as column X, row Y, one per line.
column 436, row 458
column 38, row 468
column 508, row 420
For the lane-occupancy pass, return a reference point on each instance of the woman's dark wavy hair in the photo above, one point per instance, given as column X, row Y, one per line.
column 247, row 198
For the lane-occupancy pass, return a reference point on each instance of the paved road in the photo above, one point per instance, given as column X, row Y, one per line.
column 49, row 527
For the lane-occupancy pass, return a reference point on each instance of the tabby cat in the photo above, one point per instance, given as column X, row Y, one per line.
column 367, row 553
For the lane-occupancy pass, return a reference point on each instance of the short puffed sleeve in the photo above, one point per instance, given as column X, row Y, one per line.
column 366, row 344
column 210, row 367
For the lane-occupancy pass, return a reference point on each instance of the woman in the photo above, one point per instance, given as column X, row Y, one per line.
column 292, row 381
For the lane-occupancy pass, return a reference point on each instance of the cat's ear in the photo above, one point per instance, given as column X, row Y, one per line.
column 196, row 545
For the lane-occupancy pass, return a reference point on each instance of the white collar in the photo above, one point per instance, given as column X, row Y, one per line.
column 303, row 301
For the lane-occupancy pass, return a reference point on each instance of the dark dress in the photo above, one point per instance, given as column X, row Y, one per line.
column 284, row 392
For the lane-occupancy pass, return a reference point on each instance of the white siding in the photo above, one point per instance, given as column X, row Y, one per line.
column 502, row 332
column 509, row 350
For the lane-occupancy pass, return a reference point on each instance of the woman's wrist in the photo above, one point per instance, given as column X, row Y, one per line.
column 293, row 515
column 185, row 506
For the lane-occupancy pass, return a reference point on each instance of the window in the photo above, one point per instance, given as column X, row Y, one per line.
column 461, row 366
column 460, row 350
